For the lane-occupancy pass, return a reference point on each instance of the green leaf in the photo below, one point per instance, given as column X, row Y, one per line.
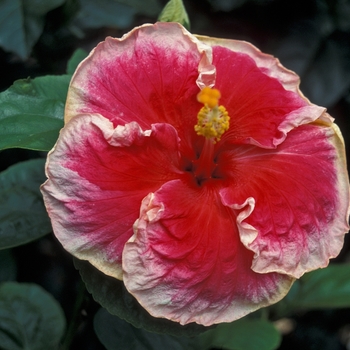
column 174, row 11
column 8, row 268
column 116, row 334
column 324, row 288
column 22, row 22
column 113, row 296
column 74, row 61
column 244, row 334
column 31, row 112
column 30, row 318
column 23, row 217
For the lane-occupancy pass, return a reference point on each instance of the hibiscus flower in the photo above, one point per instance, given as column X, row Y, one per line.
column 195, row 170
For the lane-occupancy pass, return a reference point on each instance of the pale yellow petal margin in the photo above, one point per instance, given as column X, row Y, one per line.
column 61, row 187
column 160, row 31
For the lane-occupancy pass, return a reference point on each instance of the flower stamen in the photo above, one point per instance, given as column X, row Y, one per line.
column 213, row 120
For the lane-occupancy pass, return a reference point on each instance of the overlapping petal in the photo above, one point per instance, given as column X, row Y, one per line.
column 97, row 178
column 300, row 199
column 148, row 76
column 186, row 262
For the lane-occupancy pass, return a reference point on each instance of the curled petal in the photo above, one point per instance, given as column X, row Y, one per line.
column 186, row 263
column 246, row 231
column 301, row 199
column 97, row 177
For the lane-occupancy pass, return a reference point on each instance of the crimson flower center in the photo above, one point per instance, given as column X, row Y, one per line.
column 213, row 121
column 204, row 167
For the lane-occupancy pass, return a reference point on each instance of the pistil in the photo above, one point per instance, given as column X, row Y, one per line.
column 213, row 121
column 204, row 166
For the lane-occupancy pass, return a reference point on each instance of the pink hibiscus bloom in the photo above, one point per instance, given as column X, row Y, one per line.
column 207, row 203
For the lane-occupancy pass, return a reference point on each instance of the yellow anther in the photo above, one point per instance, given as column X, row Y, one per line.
column 209, row 96
column 213, row 120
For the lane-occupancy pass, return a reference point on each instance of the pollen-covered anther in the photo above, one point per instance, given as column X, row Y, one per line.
column 213, row 120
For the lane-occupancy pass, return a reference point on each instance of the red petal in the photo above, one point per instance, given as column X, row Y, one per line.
column 186, row 262
column 97, row 178
column 301, row 196
column 261, row 110
column 268, row 64
column 148, row 76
